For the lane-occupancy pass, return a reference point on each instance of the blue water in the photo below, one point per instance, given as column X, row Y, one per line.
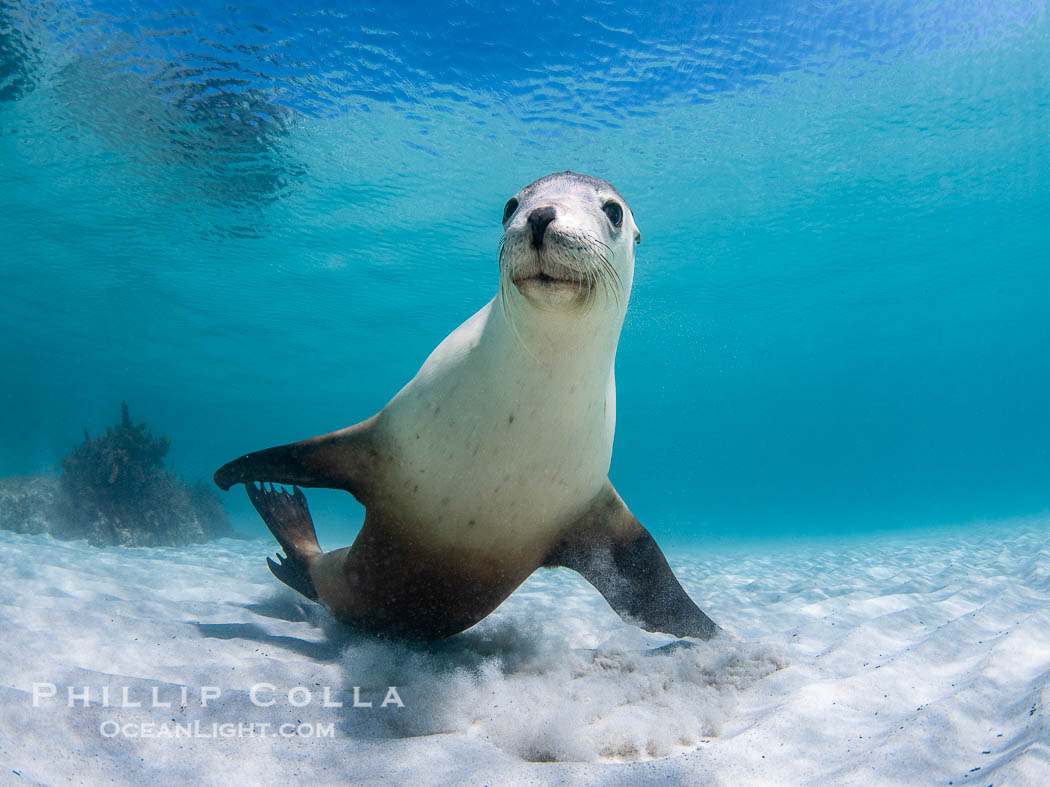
column 254, row 222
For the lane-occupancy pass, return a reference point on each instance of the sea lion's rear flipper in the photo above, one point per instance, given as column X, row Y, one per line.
column 338, row 460
column 288, row 518
column 613, row 552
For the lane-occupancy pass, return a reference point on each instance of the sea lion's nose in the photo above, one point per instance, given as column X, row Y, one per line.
column 539, row 220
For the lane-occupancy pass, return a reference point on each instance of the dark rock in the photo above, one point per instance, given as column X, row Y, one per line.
column 27, row 503
column 114, row 490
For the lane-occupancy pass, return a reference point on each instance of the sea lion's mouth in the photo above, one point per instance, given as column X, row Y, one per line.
column 546, row 280
column 545, row 273
column 569, row 267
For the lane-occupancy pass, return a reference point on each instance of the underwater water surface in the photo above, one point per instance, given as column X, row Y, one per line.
column 253, row 223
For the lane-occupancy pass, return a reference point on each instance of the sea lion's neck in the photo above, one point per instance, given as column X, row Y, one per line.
column 574, row 339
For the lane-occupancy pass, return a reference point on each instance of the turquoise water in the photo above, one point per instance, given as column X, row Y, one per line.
column 254, row 223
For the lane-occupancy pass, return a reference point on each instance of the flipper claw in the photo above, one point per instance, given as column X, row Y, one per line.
column 288, row 518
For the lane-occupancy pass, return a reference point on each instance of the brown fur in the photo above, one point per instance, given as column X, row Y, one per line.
column 394, row 581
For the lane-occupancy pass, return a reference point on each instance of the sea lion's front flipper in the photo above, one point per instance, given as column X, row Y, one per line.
column 339, row 460
column 613, row 552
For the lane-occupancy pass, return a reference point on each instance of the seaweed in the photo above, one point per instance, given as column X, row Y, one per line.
column 119, row 471
column 114, row 489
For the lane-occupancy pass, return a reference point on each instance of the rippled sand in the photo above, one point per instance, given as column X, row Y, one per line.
column 896, row 660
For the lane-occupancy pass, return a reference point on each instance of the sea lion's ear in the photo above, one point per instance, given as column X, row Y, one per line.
column 612, row 551
column 637, row 236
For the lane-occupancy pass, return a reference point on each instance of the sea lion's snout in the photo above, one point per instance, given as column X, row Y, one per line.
column 538, row 221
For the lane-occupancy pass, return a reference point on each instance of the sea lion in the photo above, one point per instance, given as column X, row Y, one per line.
column 493, row 460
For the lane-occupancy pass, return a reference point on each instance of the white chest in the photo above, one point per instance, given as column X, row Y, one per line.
column 494, row 446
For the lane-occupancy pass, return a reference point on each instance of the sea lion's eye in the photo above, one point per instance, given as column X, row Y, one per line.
column 614, row 212
column 509, row 208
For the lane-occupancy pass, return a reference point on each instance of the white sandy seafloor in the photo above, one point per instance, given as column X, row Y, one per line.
column 886, row 660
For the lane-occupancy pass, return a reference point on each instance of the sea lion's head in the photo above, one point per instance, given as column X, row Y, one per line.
column 568, row 241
